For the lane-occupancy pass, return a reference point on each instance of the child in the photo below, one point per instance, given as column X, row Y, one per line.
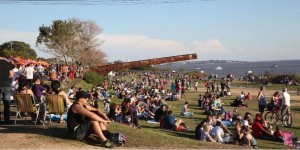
column 249, row 96
column 278, row 133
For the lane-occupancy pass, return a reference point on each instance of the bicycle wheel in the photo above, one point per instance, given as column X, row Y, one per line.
column 271, row 117
column 287, row 120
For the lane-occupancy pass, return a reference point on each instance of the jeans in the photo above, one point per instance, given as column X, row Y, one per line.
column 285, row 109
column 270, row 138
column 187, row 114
column 226, row 123
column 5, row 91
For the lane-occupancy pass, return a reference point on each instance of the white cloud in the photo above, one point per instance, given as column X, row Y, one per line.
column 138, row 47
column 209, row 47
column 145, row 47
column 140, row 43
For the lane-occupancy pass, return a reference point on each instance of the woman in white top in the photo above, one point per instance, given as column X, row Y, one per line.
column 71, row 92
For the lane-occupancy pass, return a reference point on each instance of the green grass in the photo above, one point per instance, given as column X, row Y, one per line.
column 237, row 87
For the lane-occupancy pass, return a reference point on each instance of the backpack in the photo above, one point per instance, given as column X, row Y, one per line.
column 118, row 138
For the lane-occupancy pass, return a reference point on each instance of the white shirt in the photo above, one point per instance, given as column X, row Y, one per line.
column 286, row 99
column 29, row 72
column 245, row 123
column 196, row 84
column 71, row 93
column 40, row 68
column 184, row 109
column 218, row 133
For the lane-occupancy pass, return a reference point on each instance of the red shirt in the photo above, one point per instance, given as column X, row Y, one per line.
column 257, row 129
column 278, row 134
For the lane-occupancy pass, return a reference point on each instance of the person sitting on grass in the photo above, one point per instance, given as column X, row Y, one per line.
column 170, row 122
column 114, row 113
column 185, row 110
column 141, row 111
column 260, row 132
column 217, row 133
column 72, row 92
column 212, row 110
column 106, row 103
column 247, row 138
column 159, row 113
column 129, row 117
column 278, row 133
column 205, row 136
column 199, row 129
column 84, row 119
column 247, row 121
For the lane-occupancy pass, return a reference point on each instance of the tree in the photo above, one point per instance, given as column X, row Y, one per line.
column 73, row 40
column 93, row 58
column 17, row 48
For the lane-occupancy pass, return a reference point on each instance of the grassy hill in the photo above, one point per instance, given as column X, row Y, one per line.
column 150, row 135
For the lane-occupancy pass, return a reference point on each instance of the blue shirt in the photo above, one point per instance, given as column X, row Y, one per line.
column 262, row 100
column 169, row 121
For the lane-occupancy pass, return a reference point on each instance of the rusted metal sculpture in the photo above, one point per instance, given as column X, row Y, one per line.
column 105, row 69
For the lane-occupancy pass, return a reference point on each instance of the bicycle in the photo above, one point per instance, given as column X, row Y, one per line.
column 273, row 116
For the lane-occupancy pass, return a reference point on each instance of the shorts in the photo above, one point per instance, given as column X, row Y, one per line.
column 262, row 108
column 82, row 130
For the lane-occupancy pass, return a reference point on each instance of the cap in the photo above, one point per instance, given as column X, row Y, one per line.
column 82, row 94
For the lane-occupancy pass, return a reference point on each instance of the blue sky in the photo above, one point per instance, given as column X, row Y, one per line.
column 251, row 30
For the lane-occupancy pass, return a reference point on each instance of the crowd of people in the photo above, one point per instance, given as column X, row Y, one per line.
column 146, row 96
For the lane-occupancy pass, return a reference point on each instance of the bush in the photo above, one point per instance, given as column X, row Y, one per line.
column 277, row 79
column 93, row 78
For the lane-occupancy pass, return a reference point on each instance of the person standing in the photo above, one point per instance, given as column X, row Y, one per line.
column 196, row 86
column 286, row 102
column 262, row 101
column 5, row 79
column 29, row 71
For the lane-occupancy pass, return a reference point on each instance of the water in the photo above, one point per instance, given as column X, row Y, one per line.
column 240, row 69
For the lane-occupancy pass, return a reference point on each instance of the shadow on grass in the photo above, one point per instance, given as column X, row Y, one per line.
column 297, row 128
column 58, row 132
column 51, row 131
column 295, row 109
column 184, row 134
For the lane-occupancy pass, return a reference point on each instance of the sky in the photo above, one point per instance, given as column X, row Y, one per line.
column 245, row 30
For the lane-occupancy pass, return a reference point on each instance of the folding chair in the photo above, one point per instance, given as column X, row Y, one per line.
column 26, row 104
column 290, row 140
column 55, row 104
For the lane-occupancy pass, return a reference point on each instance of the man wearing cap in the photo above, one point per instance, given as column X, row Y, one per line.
column 286, row 102
column 83, row 120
